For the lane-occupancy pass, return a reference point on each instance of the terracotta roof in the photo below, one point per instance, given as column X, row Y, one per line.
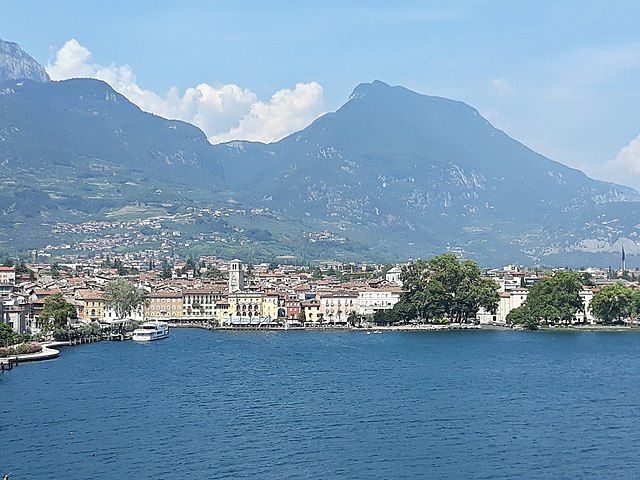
column 164, row 295
column 89, row 295
column 204, row 291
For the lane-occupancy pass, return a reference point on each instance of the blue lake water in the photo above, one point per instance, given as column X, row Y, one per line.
column 209, row 404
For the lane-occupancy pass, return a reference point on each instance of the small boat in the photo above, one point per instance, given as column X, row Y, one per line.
column 149, row 331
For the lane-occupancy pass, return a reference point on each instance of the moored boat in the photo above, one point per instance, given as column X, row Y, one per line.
column 149, row 331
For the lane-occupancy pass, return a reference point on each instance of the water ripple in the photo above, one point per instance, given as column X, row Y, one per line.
column 202, row 404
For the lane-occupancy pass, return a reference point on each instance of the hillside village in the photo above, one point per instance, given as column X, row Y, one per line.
column 219, row 292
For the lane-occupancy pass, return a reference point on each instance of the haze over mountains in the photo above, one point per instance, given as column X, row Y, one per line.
column 392, row 174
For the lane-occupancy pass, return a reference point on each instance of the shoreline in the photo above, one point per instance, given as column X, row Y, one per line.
column 49, row 353
column 413, row 328
column 46, row 353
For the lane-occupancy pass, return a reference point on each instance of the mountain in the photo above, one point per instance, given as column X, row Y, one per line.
column 391, row 175
column 16, row 64
column 411, row 174
column 79, row 146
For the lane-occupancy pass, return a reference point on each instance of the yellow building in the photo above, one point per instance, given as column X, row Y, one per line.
column 246, row 304
column 163, row 306
column 223, row 309
column 311, row 310
column 90, row 305
column 273, row 306
column 200, row 303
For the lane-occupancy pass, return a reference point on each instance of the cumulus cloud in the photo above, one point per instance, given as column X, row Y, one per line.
column 625, row 167
column 226, row 112
column 287, row 111
column 628, row 157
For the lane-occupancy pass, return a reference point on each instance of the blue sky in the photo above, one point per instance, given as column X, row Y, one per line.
column 563, row 77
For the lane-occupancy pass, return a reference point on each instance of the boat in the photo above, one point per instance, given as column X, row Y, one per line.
column 149, row 331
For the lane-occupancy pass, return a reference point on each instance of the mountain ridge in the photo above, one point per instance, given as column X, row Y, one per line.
column 429, row 167
column 16, row 64
column 392, row 174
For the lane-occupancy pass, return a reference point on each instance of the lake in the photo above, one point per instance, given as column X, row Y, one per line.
column 213, row 404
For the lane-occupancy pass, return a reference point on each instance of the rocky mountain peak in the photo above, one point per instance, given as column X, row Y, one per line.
column 16, row 64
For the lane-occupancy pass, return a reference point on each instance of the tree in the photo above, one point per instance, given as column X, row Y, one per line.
column 166, row 269
column 613, row 303
column 6, row 334
column 522, row 316
column 556, row 298
column 58, row 309
column 213, row 272
column 444, row 288
column 123, row 297
column 635, row 304
column 352, row 318
column 316, row 273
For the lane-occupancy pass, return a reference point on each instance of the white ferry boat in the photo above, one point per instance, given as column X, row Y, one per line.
column 151, row 331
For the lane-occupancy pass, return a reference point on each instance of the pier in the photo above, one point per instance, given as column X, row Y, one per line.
column 8, row 363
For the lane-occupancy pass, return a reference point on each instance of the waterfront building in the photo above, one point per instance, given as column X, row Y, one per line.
column 507, row 302
column 89, row 305
column 110, row 315
column 200, row 303
column 586, row 295
column 223, row 309
column 311, row 310
column 273, row 305
column 336, row 306
column 371, row 300
column 165, row 305
column 12, row 312
column 246, row 304
column 292, row 305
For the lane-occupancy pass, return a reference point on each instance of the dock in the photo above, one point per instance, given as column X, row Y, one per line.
column 8, row 363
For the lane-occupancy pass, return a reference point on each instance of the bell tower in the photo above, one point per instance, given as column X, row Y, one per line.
column 236, row 276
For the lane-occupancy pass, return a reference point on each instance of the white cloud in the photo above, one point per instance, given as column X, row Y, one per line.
column 628, row 157
column 224, row 113
column 287, row 112
column 501, row 86
column 623, row 169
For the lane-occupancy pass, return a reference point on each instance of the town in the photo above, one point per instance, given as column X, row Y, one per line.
column 216, row 293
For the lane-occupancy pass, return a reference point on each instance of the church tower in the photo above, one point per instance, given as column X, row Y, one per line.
column 236, row 276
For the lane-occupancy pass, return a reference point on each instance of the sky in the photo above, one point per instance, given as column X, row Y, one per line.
column 562, row 77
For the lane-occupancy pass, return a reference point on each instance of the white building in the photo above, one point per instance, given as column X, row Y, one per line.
column 508, row 301
column 370, row 301
column 336, row 306
column 586, row 295
column 393, row 276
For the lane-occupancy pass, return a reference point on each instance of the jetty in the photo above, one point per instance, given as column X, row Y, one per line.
column 8, row 363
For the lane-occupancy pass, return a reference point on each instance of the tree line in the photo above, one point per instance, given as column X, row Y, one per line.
column 556, row 299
